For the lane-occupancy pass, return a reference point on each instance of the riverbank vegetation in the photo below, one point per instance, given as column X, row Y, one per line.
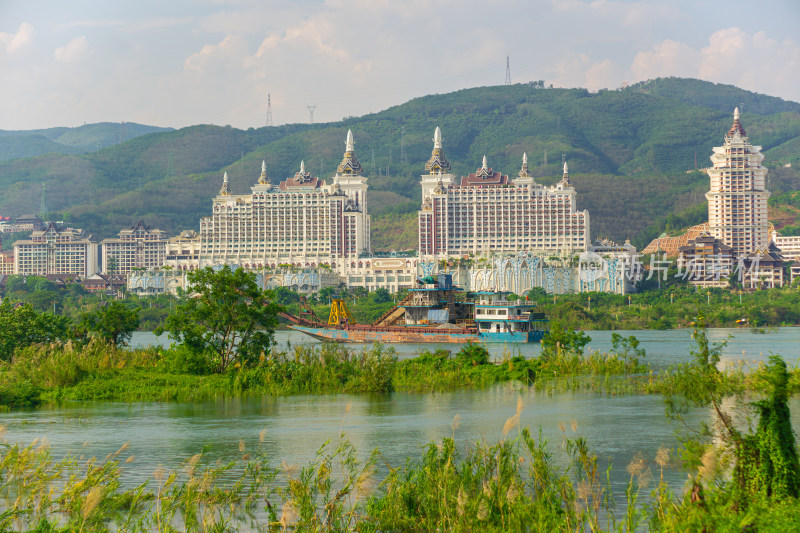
column 519, row 483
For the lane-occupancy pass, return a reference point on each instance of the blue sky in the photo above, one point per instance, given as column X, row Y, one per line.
column 183, row 62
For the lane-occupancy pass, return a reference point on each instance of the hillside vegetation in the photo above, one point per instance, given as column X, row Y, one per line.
column 631, row 155
column 79, row 140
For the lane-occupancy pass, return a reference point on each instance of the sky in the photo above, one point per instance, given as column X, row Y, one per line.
column 183, row 62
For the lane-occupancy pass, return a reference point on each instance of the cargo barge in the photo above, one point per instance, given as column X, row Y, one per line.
column 434, row 312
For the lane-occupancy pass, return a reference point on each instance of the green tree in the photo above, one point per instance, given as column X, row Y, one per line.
column 21, row 325
column 381, row 295
column 767, row 463
column 113, row 322
column 228, row 317
column 563, row 340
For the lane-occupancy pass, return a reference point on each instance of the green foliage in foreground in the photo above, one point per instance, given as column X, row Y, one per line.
column 519, row 483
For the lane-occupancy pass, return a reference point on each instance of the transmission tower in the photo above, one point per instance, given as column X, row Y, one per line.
column 545, row 157
column 269, row 110
column 508, row 70
column 373, row 159
column 311, row 109
column 403, row 145
column 43, row 205
column 122, row 132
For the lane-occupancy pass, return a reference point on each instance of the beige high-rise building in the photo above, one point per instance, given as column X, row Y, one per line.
column 302, row 221
column 138, row 247
column 737, row 201
column 56, row 250
column 488, row 212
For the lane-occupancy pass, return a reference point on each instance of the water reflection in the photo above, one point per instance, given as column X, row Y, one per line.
column 399, row 424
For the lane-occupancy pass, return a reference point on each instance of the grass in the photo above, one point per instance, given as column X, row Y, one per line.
column 519, row 483
column 100, row 371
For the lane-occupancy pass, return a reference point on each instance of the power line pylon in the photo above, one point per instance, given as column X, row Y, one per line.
column 269, row 110
column 508, row 70
column 311, row 109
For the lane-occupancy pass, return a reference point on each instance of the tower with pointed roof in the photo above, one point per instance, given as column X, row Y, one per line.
column 350, row 180
column 225, row 190
column 263, row 179
column 737, row 199
column 437, row 168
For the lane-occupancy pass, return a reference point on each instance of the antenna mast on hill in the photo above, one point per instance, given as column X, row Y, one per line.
column 269, row 110
column 311, row 109
column 403, row 145
column 43, row 205
column 508, row 70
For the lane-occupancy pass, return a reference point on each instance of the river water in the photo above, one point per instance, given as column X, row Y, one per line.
column 399, row 424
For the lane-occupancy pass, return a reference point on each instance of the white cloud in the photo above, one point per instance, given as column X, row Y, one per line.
column 225, row 54
column 73, row 50
column 750, row 61
column 14, row 42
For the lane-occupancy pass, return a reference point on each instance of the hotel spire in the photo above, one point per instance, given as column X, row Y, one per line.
column 263, row 179
column 737, row 126
column 524, row 173
column 438, row 162
column 225, row 190
column 349, row 164
column 565, row 176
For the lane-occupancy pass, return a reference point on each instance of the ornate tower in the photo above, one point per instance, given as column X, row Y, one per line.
column 353, row 184
column 437, row 167
column 225, row 190
column 737, row 200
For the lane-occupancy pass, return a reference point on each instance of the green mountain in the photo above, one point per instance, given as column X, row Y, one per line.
column 631, row 154
column 80, row 140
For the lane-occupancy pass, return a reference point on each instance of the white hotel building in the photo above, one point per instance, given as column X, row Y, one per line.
column 301, row 222
column 486, row 212
column 737, row 201
column 56, row 250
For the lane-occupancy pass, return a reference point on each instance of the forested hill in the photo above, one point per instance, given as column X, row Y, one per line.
column 630, row 154
column 82, row 139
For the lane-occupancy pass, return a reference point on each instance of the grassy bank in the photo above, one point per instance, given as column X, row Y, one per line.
column 100, row 371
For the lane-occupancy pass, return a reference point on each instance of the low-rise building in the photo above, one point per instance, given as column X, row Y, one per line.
column 763, row 269
column 105, row 283
column 789, row 245
column 706, row 262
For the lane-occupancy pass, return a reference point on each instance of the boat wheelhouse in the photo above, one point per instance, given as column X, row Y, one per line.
column 500, row 319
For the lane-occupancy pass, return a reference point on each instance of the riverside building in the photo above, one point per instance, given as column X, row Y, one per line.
column 56, row 250
column 487, row 212
column 301, row 222
column 737, row 201
column 136, row 248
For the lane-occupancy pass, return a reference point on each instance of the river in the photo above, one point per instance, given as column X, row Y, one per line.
column 399, row 424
